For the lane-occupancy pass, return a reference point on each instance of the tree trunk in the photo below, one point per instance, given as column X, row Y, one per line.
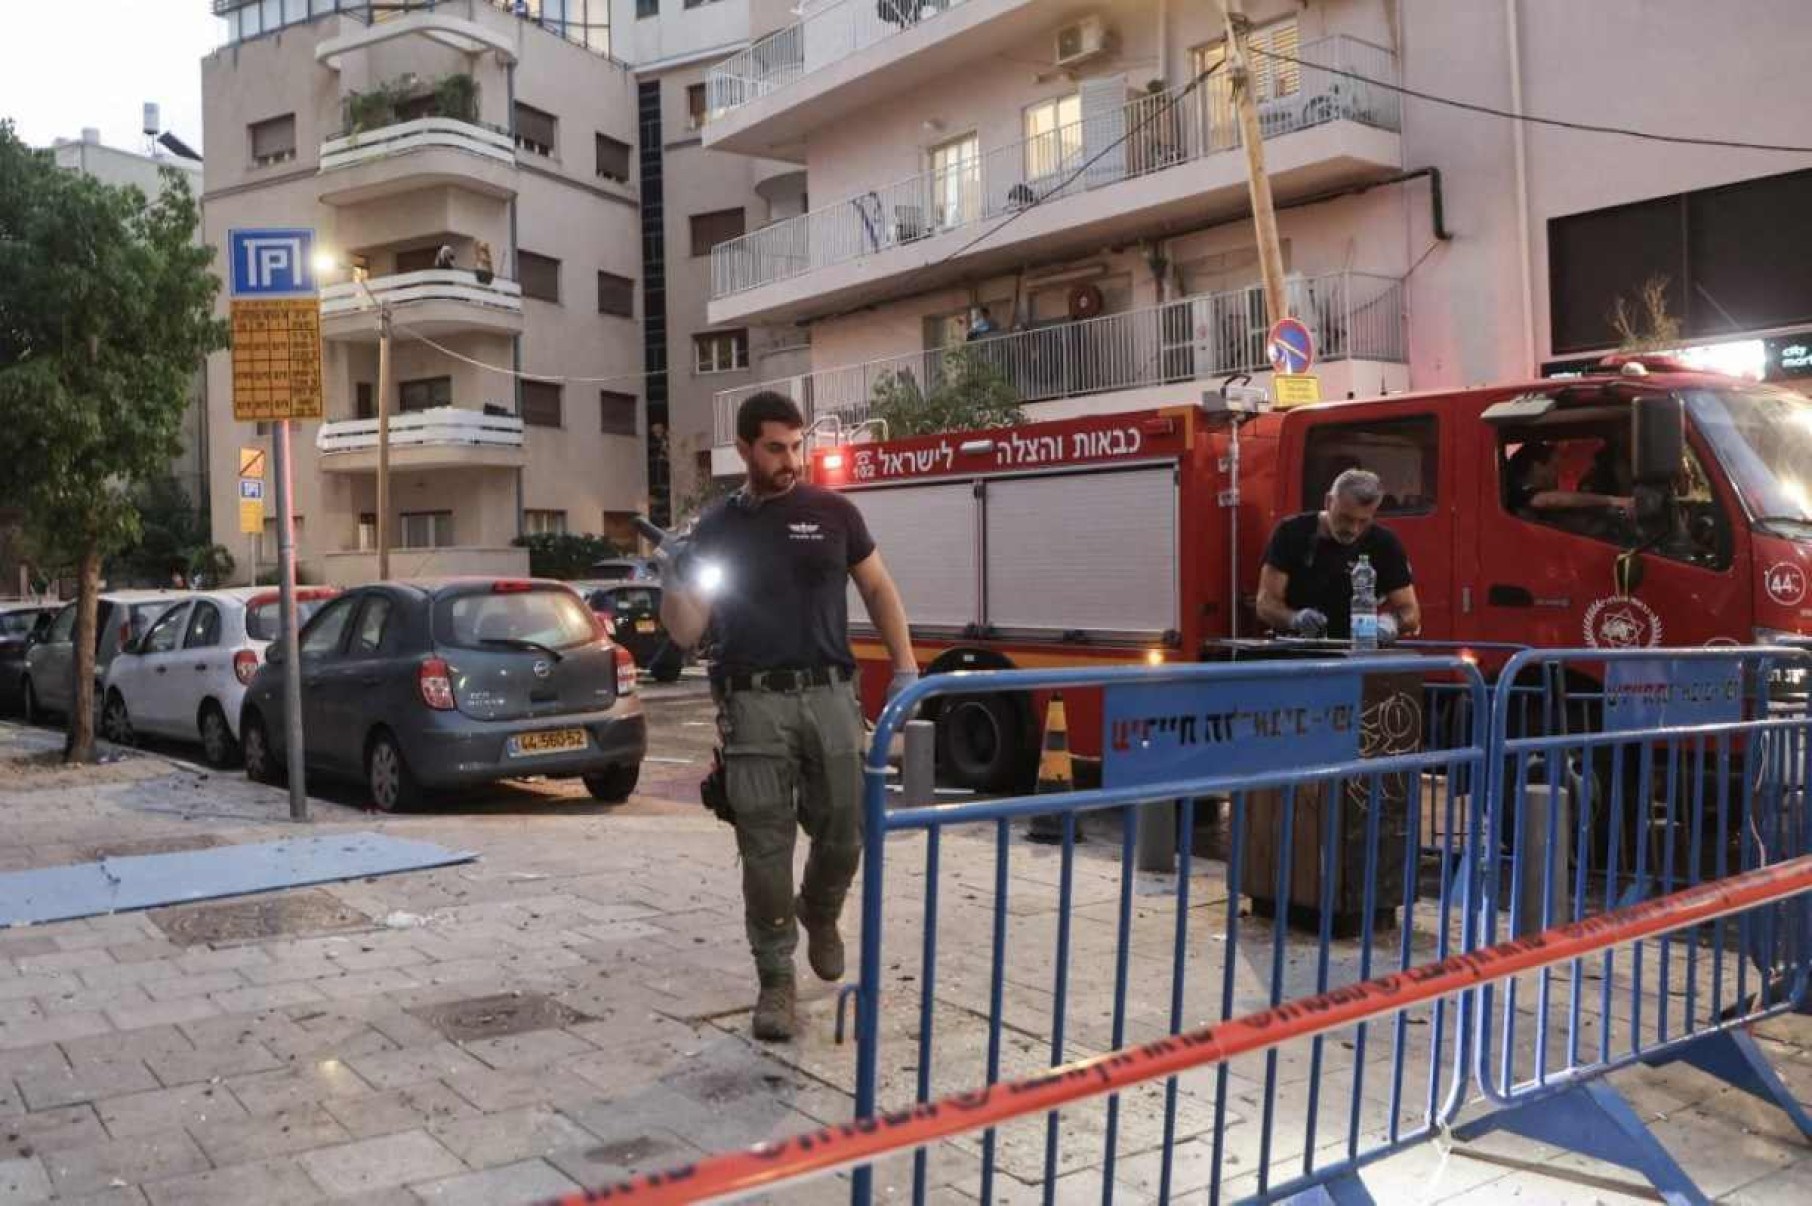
column 80, row 744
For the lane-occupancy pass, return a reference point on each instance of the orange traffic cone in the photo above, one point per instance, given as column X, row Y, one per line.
column 1056, row 774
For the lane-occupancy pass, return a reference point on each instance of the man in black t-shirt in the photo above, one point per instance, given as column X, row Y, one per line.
column 1305, row 586
column 769, row 569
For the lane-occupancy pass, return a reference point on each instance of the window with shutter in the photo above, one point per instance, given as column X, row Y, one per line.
column 540, row 404
column 539, row 276
column 536, row 131
column 273, row 140
column 719, row 226
column 616, row 295
column 613, row 159
column 720, row 351
column 616, row 412
column 543, row 523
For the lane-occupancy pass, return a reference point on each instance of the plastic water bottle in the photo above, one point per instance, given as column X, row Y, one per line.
column 1365, row 606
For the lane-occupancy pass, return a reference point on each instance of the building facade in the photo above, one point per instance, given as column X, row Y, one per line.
column 471, row 170
column 694, row 200
column 1074, row 167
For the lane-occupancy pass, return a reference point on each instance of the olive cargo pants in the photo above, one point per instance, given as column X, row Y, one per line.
column 793, row 759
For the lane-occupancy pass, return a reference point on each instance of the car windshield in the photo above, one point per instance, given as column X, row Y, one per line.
column 547, row 618
column 1763, row 437
column 265, row 620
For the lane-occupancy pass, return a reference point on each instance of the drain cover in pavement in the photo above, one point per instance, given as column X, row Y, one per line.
column 494, row 1017
column 132, row 849
column 289, row 914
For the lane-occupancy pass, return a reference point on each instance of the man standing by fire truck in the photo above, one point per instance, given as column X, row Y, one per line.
column 769, row 567
column 1305, row 586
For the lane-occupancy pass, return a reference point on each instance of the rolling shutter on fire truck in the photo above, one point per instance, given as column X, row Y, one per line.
column 1094, row 551
column 1091, row 551
column 927, row 535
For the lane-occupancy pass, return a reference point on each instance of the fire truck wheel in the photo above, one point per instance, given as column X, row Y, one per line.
column 982, row 742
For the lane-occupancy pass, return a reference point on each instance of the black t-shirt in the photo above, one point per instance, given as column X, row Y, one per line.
column 784, row 601
column 1321, row 568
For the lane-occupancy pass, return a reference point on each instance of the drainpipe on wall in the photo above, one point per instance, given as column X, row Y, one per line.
column 1519, row 137
column 509, row 75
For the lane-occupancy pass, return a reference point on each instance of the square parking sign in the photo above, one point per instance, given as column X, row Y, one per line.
column 272, row 263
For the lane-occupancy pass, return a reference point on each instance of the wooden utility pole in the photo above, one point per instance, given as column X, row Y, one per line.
column 1264, row 218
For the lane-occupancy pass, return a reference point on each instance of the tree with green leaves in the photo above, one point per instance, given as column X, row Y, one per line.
column 969, row 394
column 566, row 555
column 106, row 314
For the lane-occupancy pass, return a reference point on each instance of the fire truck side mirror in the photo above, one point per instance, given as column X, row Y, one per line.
column 1658, row 439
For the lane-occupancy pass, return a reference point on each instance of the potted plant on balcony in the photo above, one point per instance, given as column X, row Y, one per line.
column 456, row 96
column 970, row 393
column 370, row 110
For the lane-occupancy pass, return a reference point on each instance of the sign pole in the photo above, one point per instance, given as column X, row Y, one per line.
column 286, row 585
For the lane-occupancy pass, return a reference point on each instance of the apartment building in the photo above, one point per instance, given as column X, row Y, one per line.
column 1074, row 167
column 122, row 168
column 692, row 201
column 408, row 136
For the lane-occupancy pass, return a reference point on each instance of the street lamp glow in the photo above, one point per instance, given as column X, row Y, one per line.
column 326, row 263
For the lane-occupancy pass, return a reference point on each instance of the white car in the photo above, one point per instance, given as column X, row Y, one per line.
column 186, row 677
column 120, row 617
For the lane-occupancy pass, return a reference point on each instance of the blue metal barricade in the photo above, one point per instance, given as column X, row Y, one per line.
column 1315, row 778
column 1669, row 769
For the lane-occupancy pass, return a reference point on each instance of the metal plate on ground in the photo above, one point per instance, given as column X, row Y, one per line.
column 168, row 845
column 117, row 884
column 497, row 1016
column 286, row 914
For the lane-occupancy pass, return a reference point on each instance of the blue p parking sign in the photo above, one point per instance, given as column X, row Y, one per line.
column 272, row 263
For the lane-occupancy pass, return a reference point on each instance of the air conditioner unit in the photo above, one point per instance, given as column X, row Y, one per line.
column 1081, row 41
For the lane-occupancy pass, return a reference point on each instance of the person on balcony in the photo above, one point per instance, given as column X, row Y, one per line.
column 981, row 325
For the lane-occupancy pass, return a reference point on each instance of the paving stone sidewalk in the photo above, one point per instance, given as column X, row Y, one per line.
column 567, row 1010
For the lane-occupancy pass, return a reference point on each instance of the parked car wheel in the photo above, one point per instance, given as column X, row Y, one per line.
column 667, row 670
column 34, row 712
column 217, row 744
column 116, row 721
column 387, row 775
column 255, row 744
column 614, row 784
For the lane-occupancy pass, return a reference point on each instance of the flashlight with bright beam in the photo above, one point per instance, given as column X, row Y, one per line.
column 701, row 574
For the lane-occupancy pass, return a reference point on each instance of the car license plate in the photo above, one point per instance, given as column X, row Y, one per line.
column 644, row 625
column 554, row 741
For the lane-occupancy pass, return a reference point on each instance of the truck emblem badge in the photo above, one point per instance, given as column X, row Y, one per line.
column 1622, row 622
column 543, row 668
column 1786, row 583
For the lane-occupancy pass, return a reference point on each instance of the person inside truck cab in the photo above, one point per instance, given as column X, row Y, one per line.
column 1305, row 585
column 1533, row 472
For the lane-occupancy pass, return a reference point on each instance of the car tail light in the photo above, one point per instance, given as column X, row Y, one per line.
column 436, row 683
column 245, row 665
column 125, row 634
column 511, row 586
column 625, row 670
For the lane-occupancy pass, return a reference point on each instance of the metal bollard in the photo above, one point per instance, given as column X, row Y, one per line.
column 1157, row 840
column 1532, row 839
column 918, row 765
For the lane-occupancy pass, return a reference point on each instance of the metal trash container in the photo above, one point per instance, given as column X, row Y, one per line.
column 1391, row 706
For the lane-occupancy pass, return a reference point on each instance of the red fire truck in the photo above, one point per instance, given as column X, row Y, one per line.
column 1137, row 537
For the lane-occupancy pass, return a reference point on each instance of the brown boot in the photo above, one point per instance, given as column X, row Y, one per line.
column 774, row 1019
column 823, row 944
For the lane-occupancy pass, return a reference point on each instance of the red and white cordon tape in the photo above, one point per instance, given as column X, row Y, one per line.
column 742, row 1172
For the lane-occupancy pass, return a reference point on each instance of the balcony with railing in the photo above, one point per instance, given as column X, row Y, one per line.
column 445, row 437
column 1354, row 317
column 385, row 148
column 842, row 53
column 1107, row 175
column 433, row 301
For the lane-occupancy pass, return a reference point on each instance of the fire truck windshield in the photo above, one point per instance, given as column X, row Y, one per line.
column 1763, row 438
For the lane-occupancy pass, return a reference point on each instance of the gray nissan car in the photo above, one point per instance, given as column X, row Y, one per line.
column 412, row 686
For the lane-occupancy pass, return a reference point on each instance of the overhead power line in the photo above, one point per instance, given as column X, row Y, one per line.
column 1533, row 119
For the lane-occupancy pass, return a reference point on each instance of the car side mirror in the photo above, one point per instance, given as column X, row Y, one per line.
column 1658, row 440
column 273, row 655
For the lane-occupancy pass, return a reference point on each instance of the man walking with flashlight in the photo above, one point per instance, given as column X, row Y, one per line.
column 768, row 567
